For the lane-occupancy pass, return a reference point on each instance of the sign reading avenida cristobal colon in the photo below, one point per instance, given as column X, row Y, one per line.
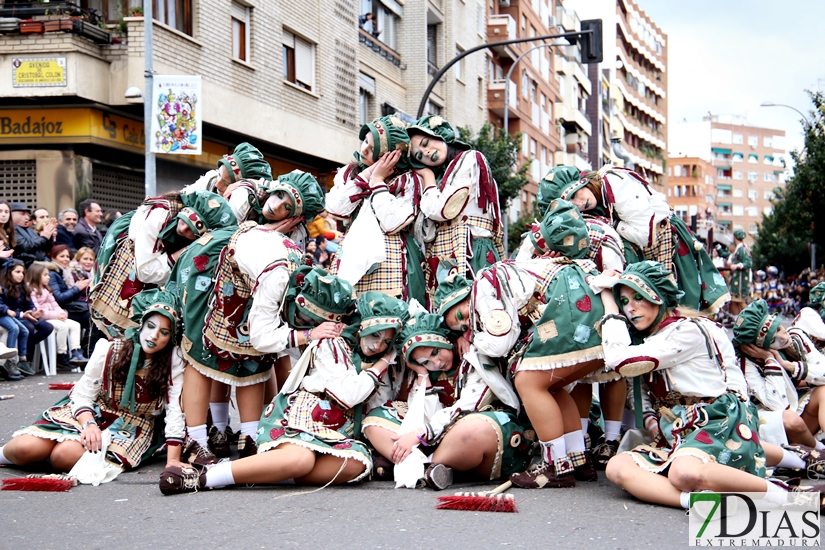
column 38, row 71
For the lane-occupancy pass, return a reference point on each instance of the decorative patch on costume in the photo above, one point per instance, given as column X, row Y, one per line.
column 555, row 221
column 568, row 240
column 275, row 433
column 584, row 304
column 200, row 262
column 213, row 203
column 758, row 462
column 202, row 283
column 515, row 440
column 344, row 445
column 583, row 244
column 744, row 432
column 683, row 249
column 503, row 418
column 547, row 330
column 268, row 410
column 305, row 436
column 491, row 257
column 724, row 457
column 227, row 289
column 739, row 320
column 703, row 437
column 204, row 239
column 582, row 334
column 637, row 365
column 498, row 323
column 184, row 274
column 328, row 415
column 225, row 217
column 455, row 204
column 573, row 284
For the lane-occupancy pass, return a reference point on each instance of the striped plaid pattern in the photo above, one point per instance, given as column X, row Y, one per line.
column 299, row 416
column 111, row 298
column 599, row 238
column 663, row 247
column 390, row 277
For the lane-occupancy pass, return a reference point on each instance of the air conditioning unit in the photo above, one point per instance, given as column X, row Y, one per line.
column 551, row 21
column 504, row 3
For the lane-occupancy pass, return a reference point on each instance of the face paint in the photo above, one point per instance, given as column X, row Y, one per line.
column 781, row 339
column 155, row 333
column 458, row 316
column 640, row 312
column 432, row 358
column 428, row 151
column 377, row 342
column 278, row 207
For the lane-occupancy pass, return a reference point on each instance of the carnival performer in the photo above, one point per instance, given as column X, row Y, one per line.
column 131, row 387
column 245, row 162
column 380, row 177
column 775, row 290
column 785, row 373
column 141, row 247
column 740, row 273
column 759, row 290
column 644, row 219
column 459, row 198
column 308, row 432
column 471, row 424
column 706, row 434
column 233, row 286
column 550, row 298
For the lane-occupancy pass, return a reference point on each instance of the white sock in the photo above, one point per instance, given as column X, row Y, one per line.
column 612, row 430
column 3, row 460
column 819, row 446
column 553, row 450
column 198, row 433
column 585, row 424
column 574, row 441
column 790, row 460
column 220, row 415
column 220, row 475
column 776, row 494
column 684, row 500
column 250, row 429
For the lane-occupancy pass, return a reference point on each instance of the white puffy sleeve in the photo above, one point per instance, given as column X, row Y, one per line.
column 489, row 307
column 526, row 250
column 175, row 423
column 85, row 391
column 239, row 203
column 638, row 209
column 334, row 373
column 663, row 350
column 811, row 323
column 268, row 333
column 344, row 187
column 393, row 212
column 204, row 183
column 151, row 261
column 459, row 185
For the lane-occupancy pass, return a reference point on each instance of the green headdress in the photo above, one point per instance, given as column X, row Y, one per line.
column 203, row 211
column 755, row 325
column 556, row 181
column 451, row 291
column 424, row 329
column 318, row 296
column 144, row 304
column 380, row 312
column 246, row 162
column 562, row 230
column 817, row 295
column 740, row 234
column 653, row 282
column 435, row 127
column 388, row 134
column 305, row 192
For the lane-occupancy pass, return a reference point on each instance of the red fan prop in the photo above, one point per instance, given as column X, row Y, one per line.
column 40, row 482
column 494, row 501
column 61, row 386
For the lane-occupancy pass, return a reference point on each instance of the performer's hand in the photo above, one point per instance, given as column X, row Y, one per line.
column 385, row 166
column 327, row 330
column 551, row 254
column 755, row 352
column 403, row 445
column 462, row 345
column 228, row 192
column 287, row 225
column 90, row 438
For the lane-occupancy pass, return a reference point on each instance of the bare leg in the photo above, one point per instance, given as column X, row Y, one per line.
column 613, row 397
column 250, row 401
column 688, row 473
column 282, row 368
column 25, row 449
column 565, row 375
column 569, row 412
column 773, row 454
column 541, row 407
column 195, row 396
column 381, row 439
column 282, row 463
column 219, row 393
column 796, row 430
column 582, row 394
column 66, row 454
column 327, row 468
column 642, row 484
column 471, row 445
column 814, row 411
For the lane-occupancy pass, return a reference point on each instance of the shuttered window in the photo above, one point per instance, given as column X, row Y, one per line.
column 299, row 61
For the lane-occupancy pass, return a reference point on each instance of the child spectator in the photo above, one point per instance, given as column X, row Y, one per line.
column 19, row 316
column 68, row 331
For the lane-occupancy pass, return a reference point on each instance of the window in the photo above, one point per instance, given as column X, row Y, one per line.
column 240, row 31
column 525, row 85
column 738, row 157
column 738, row 210
column 677, row 170
column 387, row 26
column 433, row 109
column 459, row 66
column 752, row 194
column 174, row 13
column 364, row 107
column 299, row 61
column 768, row 195
column 482, row 30
column 737, row 192
column 738, row 139
column 753, row 228
column 767, row 176
column 525, row 144
column 752, row 177
column 753, row 158
column 753, row 141
column 767, row 210
column 767, row 141
column 767, row 160
column 737, row 174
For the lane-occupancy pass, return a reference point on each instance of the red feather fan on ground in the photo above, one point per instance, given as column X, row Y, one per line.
column 40, row 482
column 494, row 501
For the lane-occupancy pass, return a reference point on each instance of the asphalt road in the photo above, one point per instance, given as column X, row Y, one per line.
column 130, row 512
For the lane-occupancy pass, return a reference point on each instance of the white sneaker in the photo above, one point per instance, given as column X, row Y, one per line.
column 7, row 352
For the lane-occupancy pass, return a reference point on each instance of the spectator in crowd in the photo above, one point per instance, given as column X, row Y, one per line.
column 40, row 214
column 67, row 220
column 69, row 294
column 19, row 307
column 86, row 232
column 7, row 239
column 30, row 246
column 367, row 22
column 321, row 254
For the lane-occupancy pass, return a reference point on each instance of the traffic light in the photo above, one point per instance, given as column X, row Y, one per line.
column 592, row 42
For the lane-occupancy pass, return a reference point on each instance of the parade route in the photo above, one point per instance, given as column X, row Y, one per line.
column 130, row 512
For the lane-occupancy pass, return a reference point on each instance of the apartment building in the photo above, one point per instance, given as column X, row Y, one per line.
column 629, row 102
column 748, row 162
column 691, row 189
column 547, row 90
column 296, row 78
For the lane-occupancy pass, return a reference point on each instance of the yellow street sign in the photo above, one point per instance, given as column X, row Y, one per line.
column 38, row 71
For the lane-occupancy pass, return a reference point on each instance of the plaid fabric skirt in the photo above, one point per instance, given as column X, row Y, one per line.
column 663, row 246
column 111, row 298
column 315, row 423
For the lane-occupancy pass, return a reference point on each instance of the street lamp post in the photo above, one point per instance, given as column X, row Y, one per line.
column 150, row 186
column 772, row 104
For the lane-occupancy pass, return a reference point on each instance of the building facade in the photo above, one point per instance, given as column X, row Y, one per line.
column 691, row 191
column 295, row 78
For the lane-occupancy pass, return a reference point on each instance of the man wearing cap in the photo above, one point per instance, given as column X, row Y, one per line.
column 30, row 246
column 86, row 232
column 740, row 269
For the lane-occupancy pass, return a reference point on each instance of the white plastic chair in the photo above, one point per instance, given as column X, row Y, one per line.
column 46, row 355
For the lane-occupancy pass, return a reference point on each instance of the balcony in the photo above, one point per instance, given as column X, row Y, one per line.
column 567, row 19
column 379, row 47
column 495, row 98
column 502, row 27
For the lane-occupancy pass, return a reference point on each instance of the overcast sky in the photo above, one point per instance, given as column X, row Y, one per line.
column 729, row 56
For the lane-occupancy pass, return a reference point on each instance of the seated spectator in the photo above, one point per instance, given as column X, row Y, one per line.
column 67, row 292
column 86, row 232
column 7, row 238
column 67, row 220
column 25, row 318
column 30, row 246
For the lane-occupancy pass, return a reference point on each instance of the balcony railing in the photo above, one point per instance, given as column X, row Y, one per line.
column 379, row 47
